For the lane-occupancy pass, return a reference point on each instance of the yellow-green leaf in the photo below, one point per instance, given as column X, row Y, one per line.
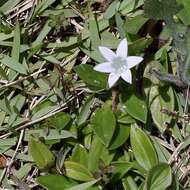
column 77, row 171
column 40, row 153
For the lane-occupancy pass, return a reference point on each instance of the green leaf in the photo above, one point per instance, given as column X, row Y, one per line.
column 111, row 10
column 121, row 134
column 120, row 25
column 160, row 98
column 161, row 9
column 8, row 6
column 80, row 155
column 23, row 171
column 130, row 5
column 143, row 148
column 13, row 64
column 48, row 181
column 85, row 110
column 95, row 154
column 77, row 171
column 120, row 169
column 60, row 120
column 53, row 134
column 129, row 183
column 6, row 144
column 159, row 177
column 94, row 31
column 40, row 153
column 3, row 73
column 43, row 111
column 74, row 40
column 16, row 43
column 42, row 5
column 95, row 80
column 43, row 33
column 5, row 106
column 134, row 24
column 184, row 14
column 139, row 46
column 83, row 186
column 162, row 152
column 103, row 124
column 92, row 53
column 135, row 106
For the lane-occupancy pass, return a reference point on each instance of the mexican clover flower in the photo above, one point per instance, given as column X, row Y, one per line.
column 119, row 64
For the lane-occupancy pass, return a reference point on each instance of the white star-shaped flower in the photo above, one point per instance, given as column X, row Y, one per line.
column 117, row 64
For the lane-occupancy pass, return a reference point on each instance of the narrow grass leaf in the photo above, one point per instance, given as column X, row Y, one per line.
column 4, row 36
column 94, row 31
column 8, row 6
column 85, row 110
column 42, row 6
column 13, row 64
column 43, row 33
column 16, row 43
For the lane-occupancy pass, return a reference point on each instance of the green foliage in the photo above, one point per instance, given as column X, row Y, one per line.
column 55, row 182
column 161, row 98
column 94, row 79
column 40, row 153
column 159, row 177
column 103, row 124
column 135, row 106
column 77, row 171
column 61, row 127
column 143, row 149
column 184, row 13
column 160, row 9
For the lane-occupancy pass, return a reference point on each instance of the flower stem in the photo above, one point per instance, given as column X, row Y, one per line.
column 115, row 93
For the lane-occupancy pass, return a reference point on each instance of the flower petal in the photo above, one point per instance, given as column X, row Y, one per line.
column 133, row 60
column 127, row 76
column 104, row 67
column 107, row 53
column 112, row 79
column 122, row 49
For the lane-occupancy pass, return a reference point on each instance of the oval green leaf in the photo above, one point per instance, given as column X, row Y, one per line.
column 62, row 182
column 77, row 171
column 60, row 120
column 94, row 80
column 103, row 124
column 80, row 155
column 121, row 134
column 135, row 106
column 143, row 148
column 159, row 177
column 160, row 98
column 40, row 153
